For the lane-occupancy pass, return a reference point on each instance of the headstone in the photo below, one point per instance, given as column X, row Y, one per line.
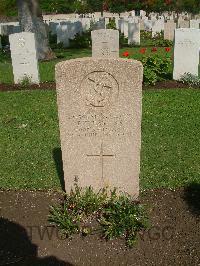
column 147, row 25
column 186, row 52
column 195, row 23
column 157, row 26
column 3, row 30
column 121, row 25
column 184, row 24
column 169, row 28
column 132, row 13
column 100, row 24
column 24, row 57
column 126, row 28
column 134, row 33
column 107, row 20
column 117, row 23
column 141, row 24
column 16, row 29
column 105, row 43
column 72, row 30
column 53, row 27
column 142, row 13
column 63, row 35
column 100, row 122
column 78, row 27
column 85, row 24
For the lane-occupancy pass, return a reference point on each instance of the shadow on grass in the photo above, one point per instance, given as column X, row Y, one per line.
column 57, row 156
column 192, row 198
column 17, row 249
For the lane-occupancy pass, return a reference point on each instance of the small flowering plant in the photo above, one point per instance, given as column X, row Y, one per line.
column 143, row 50
column 167, row 49
column 126, row 54
column 154, row 49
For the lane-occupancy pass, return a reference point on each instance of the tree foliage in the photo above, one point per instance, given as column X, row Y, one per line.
column 8, row 7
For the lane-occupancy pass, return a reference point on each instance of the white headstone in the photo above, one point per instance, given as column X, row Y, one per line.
column 141, row 24
column 134, row 33
column 85, row 24
column 53, row 27
column 100, row 24
column 157, row 26
column 63, row 35
column 105, row 43
column 184, row 24
column 126, row 28
column 195, row 23
column 147, row 25
column 169, row 29
column 121, row 25
column 186, row 52
column 24, row 57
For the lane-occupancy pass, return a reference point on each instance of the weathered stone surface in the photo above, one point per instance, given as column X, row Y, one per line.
column 169, row 29
column 99, row 104
column 184, row 24
column 63, row 35
column 134, row 33
column 186, row 52
column 24, row 57
column 125, row 28
column 105, row 43
column 195, row 23
column 157, row 26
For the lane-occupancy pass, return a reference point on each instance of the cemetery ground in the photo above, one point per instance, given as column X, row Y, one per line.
column 32, row 180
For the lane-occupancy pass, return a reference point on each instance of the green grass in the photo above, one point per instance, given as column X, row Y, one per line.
column 29, row 138
column 47, row 69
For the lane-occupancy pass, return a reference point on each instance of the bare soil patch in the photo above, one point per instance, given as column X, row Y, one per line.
column 28, row 239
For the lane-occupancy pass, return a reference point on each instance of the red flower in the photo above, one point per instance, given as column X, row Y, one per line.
column 126, row 54
column 167, row 49
column 143, row 50
column 154, row 49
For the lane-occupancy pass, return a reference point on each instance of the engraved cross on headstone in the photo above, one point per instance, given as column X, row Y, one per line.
column 101, row 155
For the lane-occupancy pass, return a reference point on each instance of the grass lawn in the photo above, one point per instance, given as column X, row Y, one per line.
column 47, row 69
column 30, row 142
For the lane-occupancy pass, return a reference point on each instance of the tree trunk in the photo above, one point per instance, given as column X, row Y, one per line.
column 30, row 19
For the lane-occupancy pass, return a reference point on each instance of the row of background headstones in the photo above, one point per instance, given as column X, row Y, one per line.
column 105, row 44
column 129, row 26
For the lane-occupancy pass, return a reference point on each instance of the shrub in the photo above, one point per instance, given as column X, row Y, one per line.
column 120, row 217
column 163, row 43
column 4, row 40
column 25, row 82
column 53, row 40
column 156, row 68
column 192, row 80
column 4, row 55
column 158, row 39
column 111, row 25
column 123, row 41
column 145, row 35
column 115, row 215
column 158, row 36
column 82, row 40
